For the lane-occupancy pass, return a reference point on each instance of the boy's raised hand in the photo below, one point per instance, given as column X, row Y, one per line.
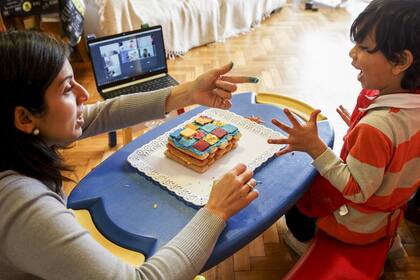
column 302, row 137
column 344, row 114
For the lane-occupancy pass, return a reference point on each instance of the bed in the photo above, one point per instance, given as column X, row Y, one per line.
column 186, row 23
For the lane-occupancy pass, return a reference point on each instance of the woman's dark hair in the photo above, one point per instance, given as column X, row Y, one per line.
column 395, row 25
column 30, row 61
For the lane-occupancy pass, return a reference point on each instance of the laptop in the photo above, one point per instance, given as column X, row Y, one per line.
column 130, row 62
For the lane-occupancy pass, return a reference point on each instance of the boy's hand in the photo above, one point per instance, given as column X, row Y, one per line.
column 302, row 137
column 344, row 114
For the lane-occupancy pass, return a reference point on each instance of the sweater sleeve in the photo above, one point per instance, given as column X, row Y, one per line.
column 363, row 172
column 185, row 255
column 124, row 111
column 39, row 236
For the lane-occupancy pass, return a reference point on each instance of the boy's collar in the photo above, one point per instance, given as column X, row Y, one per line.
column 397, row 100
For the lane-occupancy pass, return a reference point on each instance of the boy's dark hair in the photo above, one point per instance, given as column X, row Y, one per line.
column 30, row 61
column 396, row 26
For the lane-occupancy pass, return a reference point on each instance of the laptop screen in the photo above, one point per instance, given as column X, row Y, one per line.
column 128, row 56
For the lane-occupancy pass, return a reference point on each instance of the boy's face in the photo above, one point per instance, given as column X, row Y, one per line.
column 375, row 69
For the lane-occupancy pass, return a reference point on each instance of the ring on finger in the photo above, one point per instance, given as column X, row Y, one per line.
column 251, row 187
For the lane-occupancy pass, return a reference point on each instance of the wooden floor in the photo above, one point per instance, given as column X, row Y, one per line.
column 298, row 53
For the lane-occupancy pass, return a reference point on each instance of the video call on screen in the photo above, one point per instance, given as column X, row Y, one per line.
column 130, row 56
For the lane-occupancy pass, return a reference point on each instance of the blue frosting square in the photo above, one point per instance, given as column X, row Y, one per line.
column 185, row 142
column 208, row 127
column 176, row 134
column 230, row 128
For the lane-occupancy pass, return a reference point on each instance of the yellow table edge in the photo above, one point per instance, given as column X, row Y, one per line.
column 129, row 256
column 298, row 107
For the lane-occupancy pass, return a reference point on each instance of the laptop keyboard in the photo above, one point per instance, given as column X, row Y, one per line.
column 151, row 85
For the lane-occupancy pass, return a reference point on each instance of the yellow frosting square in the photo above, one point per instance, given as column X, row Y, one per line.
column 192, row 126
column 203, row 120
column 211, row 139
column 218, row 123
column 188, row 132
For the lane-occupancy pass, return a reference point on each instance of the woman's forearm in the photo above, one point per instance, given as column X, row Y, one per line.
column 180, row 97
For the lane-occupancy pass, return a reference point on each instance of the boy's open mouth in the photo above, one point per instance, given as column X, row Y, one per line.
column 360, row 75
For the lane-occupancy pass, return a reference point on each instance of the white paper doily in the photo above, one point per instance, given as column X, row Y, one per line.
column 252, row 149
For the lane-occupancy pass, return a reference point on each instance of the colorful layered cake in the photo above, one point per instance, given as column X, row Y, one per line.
column 200, row 143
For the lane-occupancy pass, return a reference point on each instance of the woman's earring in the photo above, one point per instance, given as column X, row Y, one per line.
column 35, row 132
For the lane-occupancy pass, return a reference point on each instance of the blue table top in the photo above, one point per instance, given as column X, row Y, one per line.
column 137, row 213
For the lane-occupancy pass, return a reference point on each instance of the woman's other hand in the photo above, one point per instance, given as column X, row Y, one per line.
column 233, row 192
column 302, row 136
column 344, row 114
column 213, row 89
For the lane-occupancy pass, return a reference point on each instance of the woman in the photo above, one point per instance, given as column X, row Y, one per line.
column 43, row 109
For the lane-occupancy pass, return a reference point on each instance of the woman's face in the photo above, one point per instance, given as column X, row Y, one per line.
column 62, row 120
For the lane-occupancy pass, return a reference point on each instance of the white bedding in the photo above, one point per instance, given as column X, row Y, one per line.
column 186, row 23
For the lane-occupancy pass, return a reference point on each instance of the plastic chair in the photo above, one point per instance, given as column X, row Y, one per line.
column 330, row 259
column 129, row 256
column 299, row 108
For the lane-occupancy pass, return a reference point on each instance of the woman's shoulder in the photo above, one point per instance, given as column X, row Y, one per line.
column 14, row 185
column 11, row 177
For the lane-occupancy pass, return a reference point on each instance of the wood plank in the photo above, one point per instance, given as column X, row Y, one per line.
column 225, row 270
column 256, row 247
column 271, row 235
column 241, row 260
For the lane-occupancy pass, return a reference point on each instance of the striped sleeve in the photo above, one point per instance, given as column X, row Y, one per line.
column 362, row 174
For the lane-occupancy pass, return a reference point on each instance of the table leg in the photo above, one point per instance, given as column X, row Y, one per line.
column 112, row 139
column 127, row 135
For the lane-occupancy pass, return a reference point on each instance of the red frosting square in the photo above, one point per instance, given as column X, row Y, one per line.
column 219, row 132
column 199, row 134
column 201, row 145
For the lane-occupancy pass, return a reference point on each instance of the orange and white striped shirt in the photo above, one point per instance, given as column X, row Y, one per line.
column 381, row 172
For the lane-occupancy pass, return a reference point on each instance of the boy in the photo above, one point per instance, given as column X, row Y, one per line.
column 359, row 197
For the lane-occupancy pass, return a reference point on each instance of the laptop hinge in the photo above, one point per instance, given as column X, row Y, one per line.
column 134, row 82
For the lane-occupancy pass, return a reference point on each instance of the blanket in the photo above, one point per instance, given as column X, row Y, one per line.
column 185, row 23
